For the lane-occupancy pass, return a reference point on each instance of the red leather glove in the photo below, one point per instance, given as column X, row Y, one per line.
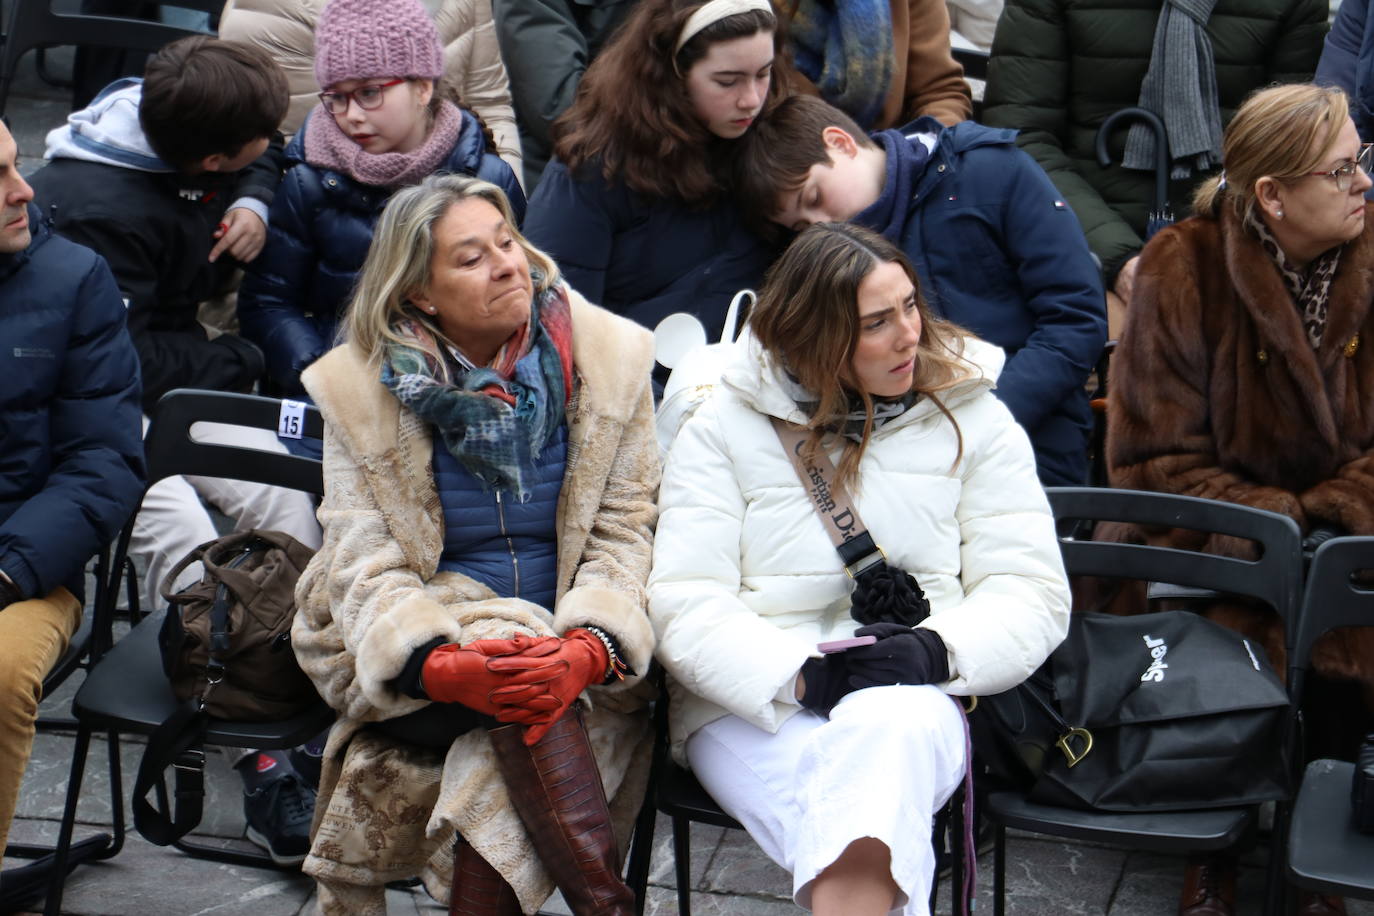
column 464, row 674
column 583, row 661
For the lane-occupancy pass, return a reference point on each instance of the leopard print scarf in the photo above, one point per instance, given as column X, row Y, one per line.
column 1309, row 289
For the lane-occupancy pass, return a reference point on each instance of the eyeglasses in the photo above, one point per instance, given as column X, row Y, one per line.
column 1345, row 173
column 369, row 98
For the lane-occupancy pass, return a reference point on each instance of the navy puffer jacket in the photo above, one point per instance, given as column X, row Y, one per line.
column 321, row 226
column 71, row 439
column 508, row 546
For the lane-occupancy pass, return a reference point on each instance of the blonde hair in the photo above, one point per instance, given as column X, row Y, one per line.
column 807, row 319
column 1273, row 135
column 398, row 261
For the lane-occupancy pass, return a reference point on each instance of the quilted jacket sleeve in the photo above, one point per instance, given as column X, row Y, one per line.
column 709, row 641
column 271, row 298
column 1016, row 597
column 483, row 83
column 96, row 462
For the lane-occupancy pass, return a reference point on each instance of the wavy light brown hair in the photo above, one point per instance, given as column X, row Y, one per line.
column 1273, row 135
column 632, row 114
column 807, row 318
column 402, row 250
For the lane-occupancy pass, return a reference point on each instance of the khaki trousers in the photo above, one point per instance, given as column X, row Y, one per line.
column 34, row 635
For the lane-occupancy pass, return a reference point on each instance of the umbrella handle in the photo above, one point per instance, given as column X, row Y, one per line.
column 1162, row 166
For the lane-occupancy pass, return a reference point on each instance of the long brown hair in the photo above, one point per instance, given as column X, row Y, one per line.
column 632, row 113
column 807, row 319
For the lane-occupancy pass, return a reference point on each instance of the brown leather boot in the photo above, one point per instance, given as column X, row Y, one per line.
column 556, row 789
column 478, row 889
column 1209, row 888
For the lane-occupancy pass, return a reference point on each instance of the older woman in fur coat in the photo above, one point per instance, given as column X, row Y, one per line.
column 483, row 563
column 1246, row 369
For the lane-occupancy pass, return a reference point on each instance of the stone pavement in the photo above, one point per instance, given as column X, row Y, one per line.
column 730, row 876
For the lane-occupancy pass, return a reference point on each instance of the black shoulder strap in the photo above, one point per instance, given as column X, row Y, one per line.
column 178, row 743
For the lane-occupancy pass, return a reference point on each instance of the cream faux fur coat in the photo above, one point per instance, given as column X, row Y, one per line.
column 372, row 595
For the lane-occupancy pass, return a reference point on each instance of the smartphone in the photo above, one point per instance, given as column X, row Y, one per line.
column 839, row 645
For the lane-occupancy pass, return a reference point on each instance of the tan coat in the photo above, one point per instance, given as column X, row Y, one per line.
column 372, row 595
column 1217, row 393
column 926, row 80
column 473, row 67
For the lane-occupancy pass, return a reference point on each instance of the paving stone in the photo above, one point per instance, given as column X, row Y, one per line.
column 705, row 838
column 739, row 867
column 147, row 880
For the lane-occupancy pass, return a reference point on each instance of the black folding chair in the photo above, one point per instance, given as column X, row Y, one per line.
column 1324, row 851
column 1274, row 579
column 34, row 24
column 126, row 690
column 20, row 884
column 677, row 793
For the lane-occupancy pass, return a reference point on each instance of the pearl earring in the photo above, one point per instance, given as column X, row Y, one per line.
column 1279, row 214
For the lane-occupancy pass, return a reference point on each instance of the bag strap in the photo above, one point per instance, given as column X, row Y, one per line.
column 832, row 502
column 177, row 742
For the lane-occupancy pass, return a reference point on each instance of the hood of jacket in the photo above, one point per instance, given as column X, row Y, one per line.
column 756, row 377
column 107, row 131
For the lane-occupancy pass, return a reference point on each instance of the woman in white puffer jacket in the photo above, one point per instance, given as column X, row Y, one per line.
column 838, row 784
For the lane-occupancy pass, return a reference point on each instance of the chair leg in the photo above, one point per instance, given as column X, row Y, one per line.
column 1275, row 885
column 64, row 833
column 641, row 852
column 682, row 864
column 999, row 871
column 116, row 796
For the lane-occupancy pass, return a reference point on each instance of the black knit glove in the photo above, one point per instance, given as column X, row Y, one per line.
column 900, row 656
column 826, row 681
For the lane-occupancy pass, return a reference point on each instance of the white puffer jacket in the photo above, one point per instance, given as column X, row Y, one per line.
column 745, row 582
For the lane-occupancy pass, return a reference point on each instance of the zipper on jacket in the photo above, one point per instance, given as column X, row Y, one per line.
column 510, row 545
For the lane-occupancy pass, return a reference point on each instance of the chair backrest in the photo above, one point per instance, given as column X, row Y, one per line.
column 35, row 24
column 1333, row 598
column 1275, row 578
column 974, row 62
column 172, row 450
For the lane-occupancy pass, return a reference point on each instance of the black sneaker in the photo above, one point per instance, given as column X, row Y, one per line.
column 278, row 814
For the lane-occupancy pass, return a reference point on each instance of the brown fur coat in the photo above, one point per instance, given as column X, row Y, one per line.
column 1217, row 393
column 372, row 595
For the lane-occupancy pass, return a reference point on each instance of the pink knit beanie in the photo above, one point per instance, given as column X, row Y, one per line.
column 368, row 39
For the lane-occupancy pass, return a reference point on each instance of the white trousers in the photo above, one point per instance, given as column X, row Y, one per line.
column 172, row 521
column 880, row 766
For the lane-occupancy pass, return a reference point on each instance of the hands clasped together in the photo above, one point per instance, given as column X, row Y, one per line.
column 530, row 680
column 902, row 655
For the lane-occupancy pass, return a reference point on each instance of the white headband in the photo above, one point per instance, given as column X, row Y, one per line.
column 713, row 12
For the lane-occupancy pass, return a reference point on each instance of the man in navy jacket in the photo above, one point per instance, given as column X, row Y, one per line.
column 71, row 451
column 997, row 250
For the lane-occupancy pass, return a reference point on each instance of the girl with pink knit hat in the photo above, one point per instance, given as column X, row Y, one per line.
column 385, row 121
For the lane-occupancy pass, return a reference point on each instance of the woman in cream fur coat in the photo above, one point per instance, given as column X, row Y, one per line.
column 425, row 629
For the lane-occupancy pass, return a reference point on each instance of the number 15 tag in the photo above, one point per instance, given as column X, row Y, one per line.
column 291, row 423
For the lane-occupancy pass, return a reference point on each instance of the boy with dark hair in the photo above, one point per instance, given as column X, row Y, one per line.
column 169, row 177
column 997, row 250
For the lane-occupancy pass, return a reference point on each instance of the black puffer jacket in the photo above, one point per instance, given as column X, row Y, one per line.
column 1060, row 67
column 156, row 230
column 71, row 443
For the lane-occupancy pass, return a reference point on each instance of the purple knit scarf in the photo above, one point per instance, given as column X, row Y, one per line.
column 328, row 147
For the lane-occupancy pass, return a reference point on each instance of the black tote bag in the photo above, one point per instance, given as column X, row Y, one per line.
column 1168, row 711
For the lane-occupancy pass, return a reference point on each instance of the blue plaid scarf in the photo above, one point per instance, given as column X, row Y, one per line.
column 845, row 48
